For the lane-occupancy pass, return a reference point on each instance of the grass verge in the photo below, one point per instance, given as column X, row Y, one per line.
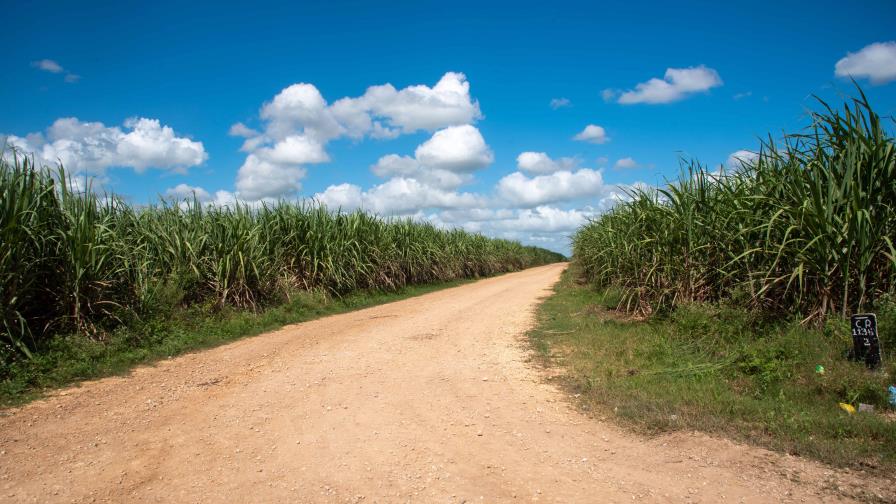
column 718, row 370
column 70, row 359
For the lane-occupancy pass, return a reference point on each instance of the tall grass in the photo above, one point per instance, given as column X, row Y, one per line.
column 807, row 227
column 73, row 261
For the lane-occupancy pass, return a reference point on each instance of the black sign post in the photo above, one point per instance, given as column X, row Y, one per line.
column 866, row 345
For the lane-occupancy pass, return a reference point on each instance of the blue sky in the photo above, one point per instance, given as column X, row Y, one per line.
column 738, row 71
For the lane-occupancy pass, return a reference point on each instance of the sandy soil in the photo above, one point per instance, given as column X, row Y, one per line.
column 431, row 399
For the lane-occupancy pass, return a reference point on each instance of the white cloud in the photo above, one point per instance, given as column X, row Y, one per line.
column 298, row 124
column 626, row 162
column 227, row 198
column 342, row 196
column 396, row 196
column 620, row 193
column 445, row 161
column 187, row 192
column 676, row 84
column 259, row 179
column 458, row 148
column 241, row 130
column 876, row 62
column 609, row 94
column 51, row 66
column 415, row 108
column 545, row 219
column 401, row 195
column 93, row 147
column 294, row 150
column 254, row 139
column 382, row 111
column 522, row 191
column 48, row 65
column 541, row 163
column 557, row 103
column 544, row 225
column 593, row 134
column 149, row 144
column 462, row 216
column 738, row 158
column 300, row 108
column 393, row 165
column 80, row 182
column 520, row 209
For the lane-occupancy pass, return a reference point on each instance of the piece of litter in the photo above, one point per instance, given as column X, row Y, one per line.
column 866, row 408
column 847, row 408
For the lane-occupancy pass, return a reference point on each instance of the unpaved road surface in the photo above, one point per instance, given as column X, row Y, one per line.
column 431, row 399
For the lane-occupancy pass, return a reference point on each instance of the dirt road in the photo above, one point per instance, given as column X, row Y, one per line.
column 431, row 399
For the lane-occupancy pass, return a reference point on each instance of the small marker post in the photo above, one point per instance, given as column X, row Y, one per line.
column 866, row 344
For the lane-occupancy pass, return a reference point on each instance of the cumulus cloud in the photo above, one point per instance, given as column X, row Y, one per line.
column 458, row 148
column 301, row 108
column 401, row 195
column 419, row 107
column 541, row 163
column 341, row 196
column 593, row 134
column 532, row 210
column 396, row 196
column 445, row 161
column 557, row 103
column 93, row 147
column 293, row 150
column 462, row 216
column 738, row 158
column 626, row 162
column 545, row 219
column 382, row 111
column 299, row 122
column 521, row 191
column 259, row 179
column 544, row 225
column 393, row 165
column 187, row 192
column 676, row 84
column 875, row 62
column 428, row 180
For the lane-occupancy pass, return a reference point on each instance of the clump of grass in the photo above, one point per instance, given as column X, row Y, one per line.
column 721, row 370
column 805, row 228
column 75, row 262
column 745, row 277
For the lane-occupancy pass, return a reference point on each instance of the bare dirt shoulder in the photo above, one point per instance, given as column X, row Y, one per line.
column 430, row 399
